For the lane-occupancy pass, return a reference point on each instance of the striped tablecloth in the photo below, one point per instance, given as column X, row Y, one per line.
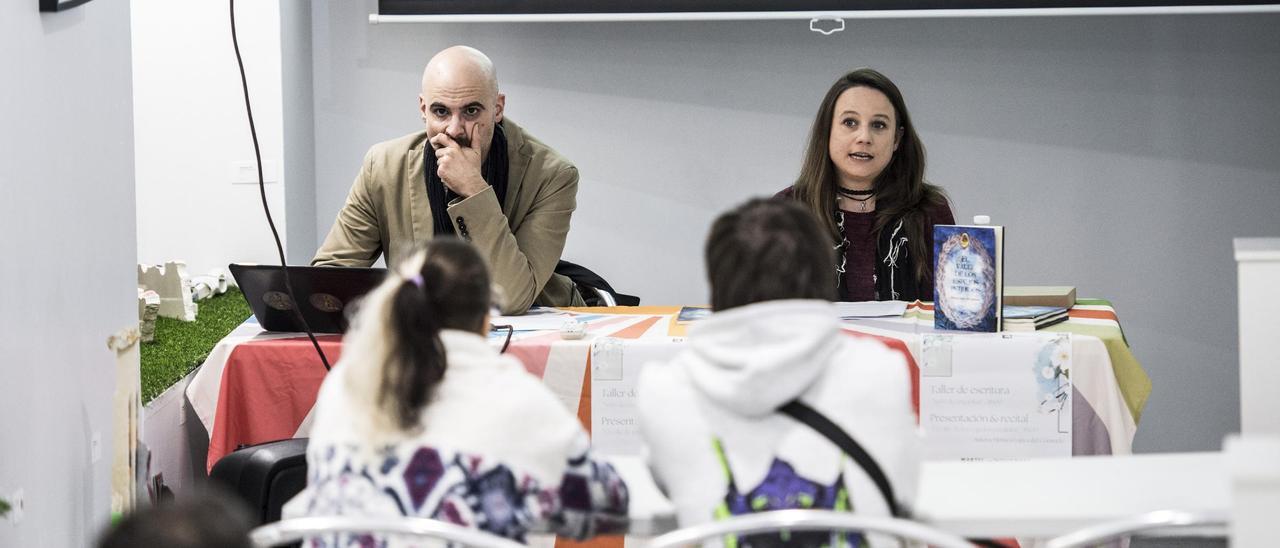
column 1109, row 387
column 258, row 386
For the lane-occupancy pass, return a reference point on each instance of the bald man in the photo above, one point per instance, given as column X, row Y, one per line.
column 473, row 173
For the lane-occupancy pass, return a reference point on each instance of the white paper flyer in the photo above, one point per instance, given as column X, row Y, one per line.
column 615, row 368
column 996, row 397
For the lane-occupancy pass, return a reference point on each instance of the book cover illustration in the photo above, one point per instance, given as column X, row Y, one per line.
column 967, row 277
column 689, row 314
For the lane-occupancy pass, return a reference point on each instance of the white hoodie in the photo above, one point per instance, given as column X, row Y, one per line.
column 495, row 450
column 741, row 366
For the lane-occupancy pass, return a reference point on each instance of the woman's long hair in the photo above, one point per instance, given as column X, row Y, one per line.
column 394, row 351
column 901, row 191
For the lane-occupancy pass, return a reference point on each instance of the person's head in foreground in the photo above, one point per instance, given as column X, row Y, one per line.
column 766, row 250
column 208, row 519
column 424, row 417
column 397, row 333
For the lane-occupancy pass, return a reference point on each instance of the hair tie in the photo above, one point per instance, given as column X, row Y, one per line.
column 417, row 280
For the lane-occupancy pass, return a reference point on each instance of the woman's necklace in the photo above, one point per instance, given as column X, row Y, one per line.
column 860, row 196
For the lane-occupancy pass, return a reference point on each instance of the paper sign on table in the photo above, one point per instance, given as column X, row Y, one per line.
column 996, row 397
column 615, row 368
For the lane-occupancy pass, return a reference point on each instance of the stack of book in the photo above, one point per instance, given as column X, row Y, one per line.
column 1031, row 318
column 1040, row 295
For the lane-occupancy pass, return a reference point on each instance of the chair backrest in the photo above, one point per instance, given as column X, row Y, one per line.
column 606, row 298
column 298, row 529
column 1160, row 521
column 809, row 520
column 264, row 476
column 593, row 287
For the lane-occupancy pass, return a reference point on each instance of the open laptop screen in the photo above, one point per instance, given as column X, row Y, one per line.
column 326, row 294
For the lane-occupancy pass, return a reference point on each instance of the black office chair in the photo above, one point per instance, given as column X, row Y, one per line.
column 594, row 289
column 265, row 476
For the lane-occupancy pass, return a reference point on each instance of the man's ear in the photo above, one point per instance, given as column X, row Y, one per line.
column 422, row 106
column 498, row 107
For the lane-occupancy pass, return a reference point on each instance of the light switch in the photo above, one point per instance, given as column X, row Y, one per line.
column 246, row 173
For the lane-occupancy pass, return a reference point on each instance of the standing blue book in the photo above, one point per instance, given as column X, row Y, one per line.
column 968, row 277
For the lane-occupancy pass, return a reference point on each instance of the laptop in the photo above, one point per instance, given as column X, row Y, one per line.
column 326, row 292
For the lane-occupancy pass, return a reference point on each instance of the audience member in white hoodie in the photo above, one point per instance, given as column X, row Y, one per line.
column 423, row 417
column 718, row 445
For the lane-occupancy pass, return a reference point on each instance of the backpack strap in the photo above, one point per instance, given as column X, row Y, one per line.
column 820, row 423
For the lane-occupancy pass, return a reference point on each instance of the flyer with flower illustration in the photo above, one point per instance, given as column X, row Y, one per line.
column 996, row 397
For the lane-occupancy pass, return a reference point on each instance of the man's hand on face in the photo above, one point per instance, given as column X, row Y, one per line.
column 458, row 164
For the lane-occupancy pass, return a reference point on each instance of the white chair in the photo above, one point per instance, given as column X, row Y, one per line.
column 298, row 529
column 1151, row 523
column 809, row 520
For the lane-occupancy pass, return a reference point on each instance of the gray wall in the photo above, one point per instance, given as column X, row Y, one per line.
column 1122, row 153
column 69, row 249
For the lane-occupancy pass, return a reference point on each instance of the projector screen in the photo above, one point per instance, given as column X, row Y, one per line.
column 460, row 7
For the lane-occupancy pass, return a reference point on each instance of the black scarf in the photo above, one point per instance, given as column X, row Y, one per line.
column 895, row 268
column 494, row 171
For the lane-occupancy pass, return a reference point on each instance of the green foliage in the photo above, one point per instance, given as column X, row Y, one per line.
column 181, row 346
column 4, row 508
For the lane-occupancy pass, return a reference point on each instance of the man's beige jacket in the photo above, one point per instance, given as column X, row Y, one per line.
column 387, row 213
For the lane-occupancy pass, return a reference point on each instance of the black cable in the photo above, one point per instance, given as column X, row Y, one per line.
column 262, row 188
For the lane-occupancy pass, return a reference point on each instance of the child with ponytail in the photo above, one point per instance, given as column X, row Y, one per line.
column 422, row 417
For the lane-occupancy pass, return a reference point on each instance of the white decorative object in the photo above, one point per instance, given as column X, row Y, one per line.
column 213, row 283
column 174, row 287
column 126, row 403
column 573, row 329
column 148, row 309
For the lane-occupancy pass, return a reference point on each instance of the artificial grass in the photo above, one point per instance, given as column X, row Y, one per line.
column 181, row 346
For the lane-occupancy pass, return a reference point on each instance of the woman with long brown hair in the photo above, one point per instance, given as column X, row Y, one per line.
column 863, row 178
